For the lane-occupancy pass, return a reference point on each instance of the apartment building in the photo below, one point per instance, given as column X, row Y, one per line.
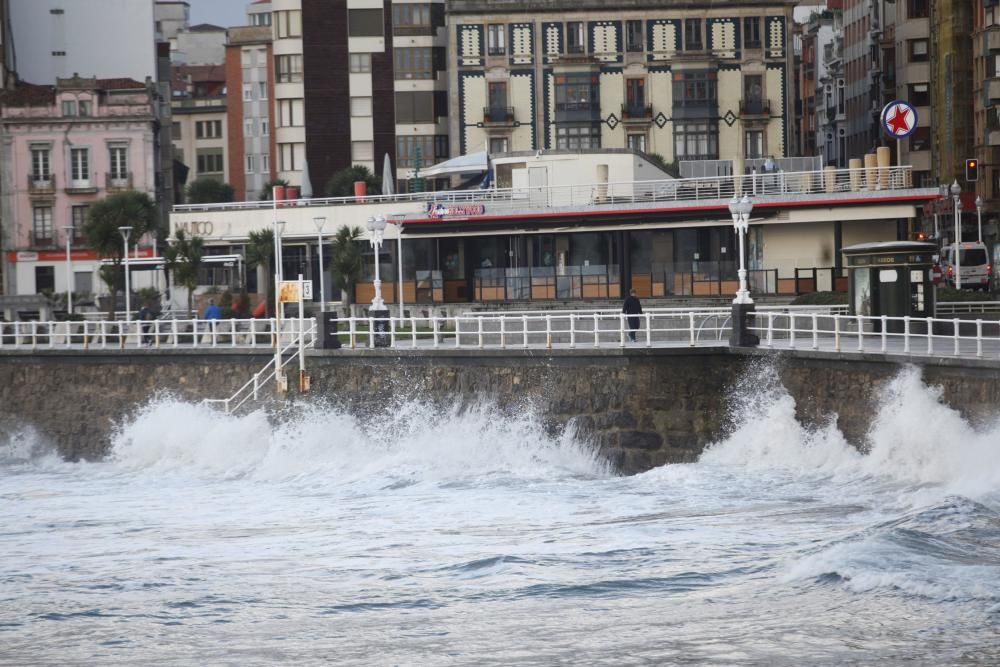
column 250, row 78
column 200, row 129
column 710, row 83
column 289, row 91
column 951, row 85
column 986, row 109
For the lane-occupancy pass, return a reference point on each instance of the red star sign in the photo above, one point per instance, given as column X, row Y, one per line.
column 897, row 122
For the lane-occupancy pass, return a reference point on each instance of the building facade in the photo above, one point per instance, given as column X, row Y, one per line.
column 951, row 85
column 58, row 38
column 64, row 147
column 986, row 109
column 656, row 77
column 289, row 91
column 200, row 128
column 250, row 77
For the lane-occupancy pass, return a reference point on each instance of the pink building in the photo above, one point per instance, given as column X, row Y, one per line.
column 64, row 147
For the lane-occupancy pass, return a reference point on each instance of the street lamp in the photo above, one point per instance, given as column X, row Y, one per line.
column 956, row 192
column 70, row 282
column 376, row 226
column 979, row 216
column 128, row 285
column 943, row 195
column 740, row 209
column 319, row 222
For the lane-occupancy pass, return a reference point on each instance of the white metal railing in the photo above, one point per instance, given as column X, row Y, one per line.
column 952, row 307
column 909, row 336
column 251, row 390
column 782, row 184
column 154, row 334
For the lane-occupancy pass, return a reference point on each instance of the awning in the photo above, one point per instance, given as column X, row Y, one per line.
column 474, row 163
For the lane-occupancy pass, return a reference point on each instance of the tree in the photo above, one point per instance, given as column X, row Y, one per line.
column 345, row 259
column 267, row 192
column 184, row 259
column 671, row 168
column 124, row 209
column 259, row 251
column 341, row 184
column 209, row 191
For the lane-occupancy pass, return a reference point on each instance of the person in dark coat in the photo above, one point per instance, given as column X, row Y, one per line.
column 632, row 308
column 146, row 318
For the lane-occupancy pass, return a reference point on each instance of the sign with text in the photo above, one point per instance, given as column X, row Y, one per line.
column 436, row 210
column 289, row 291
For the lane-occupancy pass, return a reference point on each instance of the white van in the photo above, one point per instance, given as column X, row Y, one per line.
column 974, row 262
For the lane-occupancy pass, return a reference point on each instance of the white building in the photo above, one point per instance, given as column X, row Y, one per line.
column 289, row 90
column 202, row 44
column 57, row 38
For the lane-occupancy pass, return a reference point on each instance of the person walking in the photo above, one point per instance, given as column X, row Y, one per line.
column 146, row 318
column 632, row 308
column 212, row 311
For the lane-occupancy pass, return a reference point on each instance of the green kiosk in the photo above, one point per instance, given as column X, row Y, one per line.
column 891, row 278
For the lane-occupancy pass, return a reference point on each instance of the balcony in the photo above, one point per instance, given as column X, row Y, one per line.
column 993, row 39
column 993, row 89
column 41, row 184
column 637, row 113
column 118, row 182
column 755, row 107
column 40, row 241
column 496, row 116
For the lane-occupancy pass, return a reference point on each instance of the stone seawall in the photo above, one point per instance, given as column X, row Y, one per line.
column 642, row 407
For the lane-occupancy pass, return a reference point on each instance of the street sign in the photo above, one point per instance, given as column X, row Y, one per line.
column 289, row 291
column 899, row 119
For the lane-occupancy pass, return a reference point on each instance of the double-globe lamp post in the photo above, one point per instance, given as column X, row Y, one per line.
column 956, row 196
column 376, row 227
column 740, row 209
column 979, row 216
column 70, row 282
column 320, row 221
column 128, row 284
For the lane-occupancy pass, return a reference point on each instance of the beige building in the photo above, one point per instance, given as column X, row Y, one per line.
column 684, row 79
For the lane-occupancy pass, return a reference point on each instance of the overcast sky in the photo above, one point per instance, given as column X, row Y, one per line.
column 223, row 13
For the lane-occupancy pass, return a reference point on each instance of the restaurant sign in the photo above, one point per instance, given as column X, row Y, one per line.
column 435, row 210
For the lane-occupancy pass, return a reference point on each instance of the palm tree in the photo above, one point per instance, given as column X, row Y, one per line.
column 259, row 251
column 125, row 209
column 345, row 260
column 184, row 259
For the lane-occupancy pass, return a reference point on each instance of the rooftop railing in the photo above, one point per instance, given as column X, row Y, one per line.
column 828, row 183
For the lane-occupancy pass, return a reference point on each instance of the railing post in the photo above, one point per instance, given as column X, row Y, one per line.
column 371, row 332
column 649, row 330
column 621, row 330
column 906, row 334
column 791, row 328
column 572, row 331
column 104, row 334
column 691, row 331
column 524, row 329
column 413, row 330
column 34, row 334
column 256, row 385
column 212, row 331
column 354, row 332
column 434, row 327
column 836, row 333
column 815, row 325
column 885, row 334
column 979, row 338
column 955, row 335
column 86, row 335
column 503, row 332
column 479, row 331
column 458, row 330
column 597, row 329
column 232, row 332
column 392, row 331
column 930, row 335
column 548, row 331
column 770, row 329
column 861, row 339
column 173, row 327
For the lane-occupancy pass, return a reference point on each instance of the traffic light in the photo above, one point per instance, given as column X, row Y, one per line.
column 972, row 169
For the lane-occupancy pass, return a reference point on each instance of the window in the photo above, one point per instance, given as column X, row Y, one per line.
column 40, row 164
column 635, row 98
column 696, row 141
column 577, row 92
column 841, row 98
column 78, row 216
column 248, row 127
column 432, row 148
column 208, row 129
column 118, row 162
column 265, row 163
column 695, row 88
column 411, row 19
column 415, row 107
column 84, row 107
column 288, row 23
column 291, row 156
column 753, row 144
column 361, row 62
column 361, row 106
column 288, row 68
column 440, row 146
column 637, row 142
column 247, row 92
column 919, row 94
column 917, row 9
column 418, row 62
column 41, row 225
column 249, row 163
column 45, row 278
column 175, row 130
column 753, row 93
column 920, row 140
column 290, row 113
column 751, row 32
column 362, row 150
column 918, row 50
column 575, row 37
column 497, row 97
column 578, row 137
column 495, row 42
column 364, row 22
column 262, row 90
column 210, row 161
column 499, row 145
column 264, row 130
column 79, row 159
column 633, row 36
column 692, row 35
column 69, row 108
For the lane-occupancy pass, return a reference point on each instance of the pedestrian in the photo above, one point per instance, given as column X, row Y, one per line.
column 146, row 323
column 212, row 311
column 632, row 308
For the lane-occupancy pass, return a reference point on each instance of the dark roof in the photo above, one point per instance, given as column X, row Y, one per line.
column 28, row 95
column 120, row 84
column 205, row 27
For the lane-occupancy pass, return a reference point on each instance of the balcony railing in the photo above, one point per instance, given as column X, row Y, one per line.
column 755, row 107
column 42, row 241
column 118, row 182
column 498, row 115
column 41, row 184
column 637, row 112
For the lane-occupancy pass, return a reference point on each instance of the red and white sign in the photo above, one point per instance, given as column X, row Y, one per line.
column 436, row 210
column 899, row 119
column 936, row 275
column 82, row 255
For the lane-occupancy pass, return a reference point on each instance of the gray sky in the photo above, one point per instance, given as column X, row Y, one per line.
column 223, row 13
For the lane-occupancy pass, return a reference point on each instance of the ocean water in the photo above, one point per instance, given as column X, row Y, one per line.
column 470, row 537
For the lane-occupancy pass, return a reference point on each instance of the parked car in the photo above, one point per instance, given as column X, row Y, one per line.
column 973, row 262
